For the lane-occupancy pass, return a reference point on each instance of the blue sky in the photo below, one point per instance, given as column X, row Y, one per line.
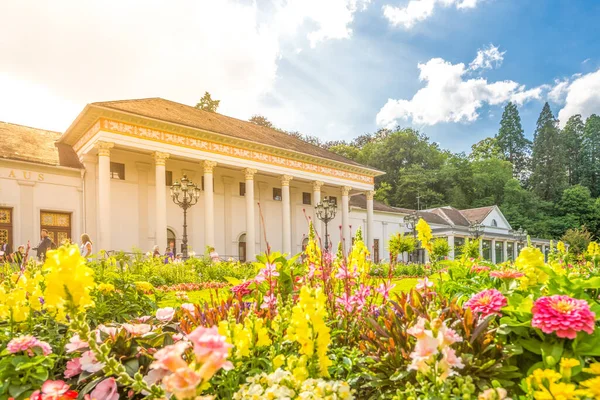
column 330, row 68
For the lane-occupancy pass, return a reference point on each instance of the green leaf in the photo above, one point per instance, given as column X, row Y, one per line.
column 532, row 345
column 233, row 281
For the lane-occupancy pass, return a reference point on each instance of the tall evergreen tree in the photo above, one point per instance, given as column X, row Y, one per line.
column 207, row 103
column 511, row 141
column 548, row 177
column 572, row 138
column 591, row 155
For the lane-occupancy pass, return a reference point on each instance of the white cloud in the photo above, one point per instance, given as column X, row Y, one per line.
column 419, row 10
column 450, row 96
column 487, row 58
column 559, row 91
column 79, row 52
column 582, row 97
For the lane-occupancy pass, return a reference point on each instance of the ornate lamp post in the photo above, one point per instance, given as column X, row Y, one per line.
column 476, row 229
column 410, row 221
column 325, row 211
column 185, row 194
column 520, row 235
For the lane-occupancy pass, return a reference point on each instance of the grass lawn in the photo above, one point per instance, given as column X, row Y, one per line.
column 198, row 296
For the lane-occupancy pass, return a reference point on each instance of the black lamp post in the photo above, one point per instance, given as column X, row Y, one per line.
column 476, row 229
column 185, row 194
column 410, row 221
column 325, row 212
column 520, row 235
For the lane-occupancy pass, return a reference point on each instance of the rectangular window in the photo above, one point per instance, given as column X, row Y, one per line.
column 169, row 178
column 58, row 225
column 277, row 194
column 306, row 198
column 117, row 171
column 486, row 249
column 333, row 199
column 376, row 251
column 242, row 188
column 6, row 225
column 499, row 252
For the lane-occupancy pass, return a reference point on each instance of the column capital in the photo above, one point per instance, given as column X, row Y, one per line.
column 317, row 186
column 209, row 166
column 104, row 148
column 160, row 158
column 285, row 180
column 346, row 190
column 370, row 194
column 249, row 173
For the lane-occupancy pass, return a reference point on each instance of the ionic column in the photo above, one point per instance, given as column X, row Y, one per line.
column 493, row 251
column 346, row 235
column 316, row 200
column 451, row 245
column 209, row 204
column 160, row 160
column 104, row 194
column 370, row 222
column 286, row 214
column 250, row 228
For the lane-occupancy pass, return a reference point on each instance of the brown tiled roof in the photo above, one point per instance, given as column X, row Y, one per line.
column 477, row 214
column 432, row 218
column 452, row 215
column 182, row 114
column 18, row 142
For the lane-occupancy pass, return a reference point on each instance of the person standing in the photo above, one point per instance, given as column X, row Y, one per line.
column 5, row 252
column 44, row 245
column 19, row 255
column 86, row 246
column 168, row 255
column 155, row 251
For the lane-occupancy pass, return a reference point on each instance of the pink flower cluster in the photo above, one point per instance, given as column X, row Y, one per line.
column 487, row 302
column 242, row 289
column 54, row 390
column 564, row 315
column 26, row 344
column 210, row 354
column 357, row 301
column 433, row 349
column 479, row 268
column 189, row 287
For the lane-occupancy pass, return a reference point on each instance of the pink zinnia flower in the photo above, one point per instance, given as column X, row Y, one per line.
column 73, row 368
column 506, row 274
column 26, row 344
column 487, row 302
column 564, row 315
column 106, row 390
column 165, row 314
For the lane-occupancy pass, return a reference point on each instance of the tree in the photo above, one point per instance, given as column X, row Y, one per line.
column 261, row 120
column 577, row 239
column 511, row 141
column 572, row 138
column 485, row 149
column 549, row 176
column 206, row 103
column 591, row 155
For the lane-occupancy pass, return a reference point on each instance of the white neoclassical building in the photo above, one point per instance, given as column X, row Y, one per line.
column 109, row 175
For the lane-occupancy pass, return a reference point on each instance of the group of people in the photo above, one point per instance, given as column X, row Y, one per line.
column 169, row 255
column 45, row 244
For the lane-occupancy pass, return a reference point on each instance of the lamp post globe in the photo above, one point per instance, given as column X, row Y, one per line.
column 185, row 194
column 325, row 212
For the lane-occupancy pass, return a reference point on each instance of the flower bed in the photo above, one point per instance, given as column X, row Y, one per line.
column 324, row 328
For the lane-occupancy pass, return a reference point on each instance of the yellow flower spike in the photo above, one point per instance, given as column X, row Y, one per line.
column 424, row 234
column 560, row 246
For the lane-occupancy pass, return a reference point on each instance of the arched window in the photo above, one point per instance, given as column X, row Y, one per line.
column 171, row 239
column 242, row 247
column 304, row 244
column 494, row 222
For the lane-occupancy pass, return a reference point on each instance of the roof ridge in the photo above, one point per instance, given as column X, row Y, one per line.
column 234, row 120
column 478, row 208
column 30, row 127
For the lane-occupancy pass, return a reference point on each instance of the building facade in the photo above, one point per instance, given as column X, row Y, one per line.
column 109, row 175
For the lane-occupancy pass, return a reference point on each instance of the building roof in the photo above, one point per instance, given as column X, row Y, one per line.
column 360, row 201
column 23, row 143
column 182, row 114
column 451, row 215
column 477, row 215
